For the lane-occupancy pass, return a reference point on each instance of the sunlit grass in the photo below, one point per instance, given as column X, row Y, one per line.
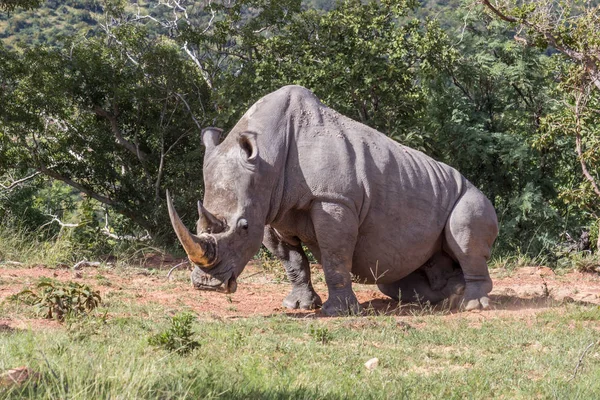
column 425, row 356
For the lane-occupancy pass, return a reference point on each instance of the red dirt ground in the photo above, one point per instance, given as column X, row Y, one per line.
column 521, row 294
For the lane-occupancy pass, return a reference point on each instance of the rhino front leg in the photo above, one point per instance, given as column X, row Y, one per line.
column 296, row 265
column 336, row 228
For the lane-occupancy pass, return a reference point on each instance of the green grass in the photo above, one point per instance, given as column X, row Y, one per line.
column 17, row 246
column 283, row 357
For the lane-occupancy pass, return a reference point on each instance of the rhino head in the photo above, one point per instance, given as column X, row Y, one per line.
column 232, row 218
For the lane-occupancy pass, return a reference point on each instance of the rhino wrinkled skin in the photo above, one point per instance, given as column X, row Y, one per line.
column 293, row 171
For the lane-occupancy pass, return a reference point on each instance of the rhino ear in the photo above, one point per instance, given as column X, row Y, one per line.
column 249, row 148
column 210, row 138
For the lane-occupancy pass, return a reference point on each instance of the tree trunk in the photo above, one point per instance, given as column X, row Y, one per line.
column 598, row 242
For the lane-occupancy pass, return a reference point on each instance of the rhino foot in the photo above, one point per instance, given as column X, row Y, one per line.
column 337, row 306
column 476, row 297
column 303, row 298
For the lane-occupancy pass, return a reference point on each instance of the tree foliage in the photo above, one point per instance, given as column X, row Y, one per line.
column 366, row 60
column 10, row 5
column 117, row 123
column 115, row 113
column 572, row 28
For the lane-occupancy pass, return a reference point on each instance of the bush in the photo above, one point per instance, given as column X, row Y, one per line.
column 179, row 336
column 59, row 301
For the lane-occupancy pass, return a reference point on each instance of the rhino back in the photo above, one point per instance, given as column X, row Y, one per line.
column 402, row 198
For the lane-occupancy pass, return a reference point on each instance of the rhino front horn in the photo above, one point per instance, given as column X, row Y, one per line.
column 200, row 250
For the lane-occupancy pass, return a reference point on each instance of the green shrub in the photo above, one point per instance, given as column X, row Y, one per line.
column 321, row 335
column 55, row 300
column 178, row 337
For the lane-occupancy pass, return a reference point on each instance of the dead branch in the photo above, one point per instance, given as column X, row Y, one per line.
column 112, row 118
column 106, row 231
column 189, row 110
column 498, row 13
column 78, row 186
column 203, row 71
column 174, row 268
column 580, row 361
column 58, row 221
column 86, row 264
column 578, row 106
column 14, row 184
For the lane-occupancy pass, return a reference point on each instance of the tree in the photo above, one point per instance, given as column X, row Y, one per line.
column 119, row 123
column 118, row 116
column 572, row 28
column 10, row 5
column 365, row 59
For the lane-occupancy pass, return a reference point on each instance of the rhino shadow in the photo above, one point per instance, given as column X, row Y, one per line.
column 498, row 302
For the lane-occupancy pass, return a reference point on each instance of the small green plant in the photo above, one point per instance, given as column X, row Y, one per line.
column 321, row 334
column 179, row 336
column 83, row 328
column 55, row 300
column 589, row 263
column 272, row 266
column 102, row 280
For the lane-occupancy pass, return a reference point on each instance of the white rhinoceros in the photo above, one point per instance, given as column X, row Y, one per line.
column 293, row 171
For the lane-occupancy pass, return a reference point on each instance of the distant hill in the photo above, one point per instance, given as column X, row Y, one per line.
column 49, row 23
column 55, row 20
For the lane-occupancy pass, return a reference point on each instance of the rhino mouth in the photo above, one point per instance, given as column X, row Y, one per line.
column 206, row 282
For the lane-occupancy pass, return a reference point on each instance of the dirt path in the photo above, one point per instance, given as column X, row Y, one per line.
column 520, row 294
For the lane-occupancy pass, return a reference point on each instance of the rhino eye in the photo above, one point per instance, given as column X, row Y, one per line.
column 243, row 223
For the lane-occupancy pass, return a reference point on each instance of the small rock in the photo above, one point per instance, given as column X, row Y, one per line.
column 77, row 274
column 17, row 376
column 525, row 271
column 372, row 364
column 85, row 264
column 12, row 263
column 545, row 271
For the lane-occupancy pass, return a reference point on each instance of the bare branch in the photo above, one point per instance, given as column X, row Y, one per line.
column 190, row 110
column 500, row 14
column 106, row 231
column 78, row 186
column 58, row 221
column 14, row 184
column 174, row 268
column 132, row 148
column 203, row 71
column 580, row 361
column 579, row 99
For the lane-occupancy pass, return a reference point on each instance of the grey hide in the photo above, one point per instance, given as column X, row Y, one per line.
column 293, row 171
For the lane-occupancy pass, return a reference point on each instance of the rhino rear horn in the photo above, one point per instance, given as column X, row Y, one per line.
column 207, row 220
column 200, row 250
column 210, row 138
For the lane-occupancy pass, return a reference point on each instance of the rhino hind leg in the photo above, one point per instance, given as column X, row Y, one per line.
column 296, row 265
column 438, row 280
column 469, row 235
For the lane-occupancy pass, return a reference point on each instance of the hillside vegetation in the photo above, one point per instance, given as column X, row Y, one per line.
column 103, row 102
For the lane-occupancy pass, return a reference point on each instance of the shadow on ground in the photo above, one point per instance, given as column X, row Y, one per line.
column 498, row 303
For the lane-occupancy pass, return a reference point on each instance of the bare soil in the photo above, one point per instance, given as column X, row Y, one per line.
column 519, row 294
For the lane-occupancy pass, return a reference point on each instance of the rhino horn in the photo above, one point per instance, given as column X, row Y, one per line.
column 200, row 250
column 210, row 137
column 207, row 219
